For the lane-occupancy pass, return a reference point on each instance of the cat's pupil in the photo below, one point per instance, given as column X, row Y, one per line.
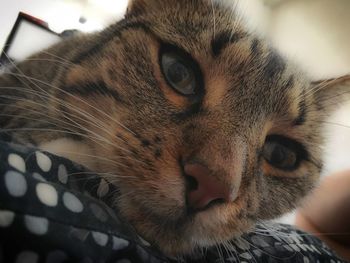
column 280, row 156
column 178, row 74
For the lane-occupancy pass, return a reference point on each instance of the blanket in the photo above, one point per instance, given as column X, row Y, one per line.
column 53, row 210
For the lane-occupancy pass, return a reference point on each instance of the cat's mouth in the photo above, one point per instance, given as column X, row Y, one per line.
column 195, row 229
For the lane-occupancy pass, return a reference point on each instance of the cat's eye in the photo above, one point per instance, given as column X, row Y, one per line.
column 283, row 153
column 179, row 72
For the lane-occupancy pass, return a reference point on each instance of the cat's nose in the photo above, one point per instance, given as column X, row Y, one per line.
column 203, row 188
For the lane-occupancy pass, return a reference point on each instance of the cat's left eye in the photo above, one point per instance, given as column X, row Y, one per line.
column 179, row 73
column 283, row 153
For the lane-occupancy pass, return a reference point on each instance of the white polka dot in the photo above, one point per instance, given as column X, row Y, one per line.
column 36, row 225
column 15, row 183
column 39, row 177
column 144, row 242
column 119, row 243
column 62, row 174
column 294, row 247
column 259, row 241
column 47, row 194
column 123, row 261
column 27, row 257
column 72, row 203
column 17, row 162
column 242, row 244
column 6, row 218
column 257, row 252
column 103, row 188
column 100, row 238
column 246, row 255
column 43, row 161
column 78, row 233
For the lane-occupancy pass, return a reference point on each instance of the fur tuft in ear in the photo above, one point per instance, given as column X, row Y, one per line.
column 331, row 92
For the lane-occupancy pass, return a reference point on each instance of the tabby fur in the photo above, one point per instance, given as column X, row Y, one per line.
column 101, row 99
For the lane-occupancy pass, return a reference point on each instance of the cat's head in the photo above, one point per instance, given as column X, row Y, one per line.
column 207, row 128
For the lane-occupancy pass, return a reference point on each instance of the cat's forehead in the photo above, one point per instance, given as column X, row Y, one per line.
column 195, row 19
column 240, row 71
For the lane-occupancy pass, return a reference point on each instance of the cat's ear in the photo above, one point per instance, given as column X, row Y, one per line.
column 329, row 93
column 137, row 7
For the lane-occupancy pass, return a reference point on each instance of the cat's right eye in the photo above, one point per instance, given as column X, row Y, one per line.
column 283, row 153
column 179, row 71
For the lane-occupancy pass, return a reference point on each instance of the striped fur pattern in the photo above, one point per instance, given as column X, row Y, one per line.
column 102, row 100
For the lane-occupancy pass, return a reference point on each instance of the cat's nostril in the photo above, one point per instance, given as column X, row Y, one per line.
column 192, row 183
column 203, row 189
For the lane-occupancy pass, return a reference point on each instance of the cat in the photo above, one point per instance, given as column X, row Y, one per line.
column 204, row 128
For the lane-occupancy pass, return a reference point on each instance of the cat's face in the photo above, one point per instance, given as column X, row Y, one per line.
column 209, row 129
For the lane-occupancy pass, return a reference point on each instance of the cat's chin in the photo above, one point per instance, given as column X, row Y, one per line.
column 188, row 234
column 193, row 243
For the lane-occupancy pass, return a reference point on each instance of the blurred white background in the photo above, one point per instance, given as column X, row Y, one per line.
column 313, row 33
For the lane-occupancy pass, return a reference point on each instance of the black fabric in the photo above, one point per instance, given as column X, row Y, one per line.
column 52, row 210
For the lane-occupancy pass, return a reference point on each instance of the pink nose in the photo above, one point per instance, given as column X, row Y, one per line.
column 205, row 189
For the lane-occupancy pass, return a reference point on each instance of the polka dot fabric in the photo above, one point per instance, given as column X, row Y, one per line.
column 52, row 210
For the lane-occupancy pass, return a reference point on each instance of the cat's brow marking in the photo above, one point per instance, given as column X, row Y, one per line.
column 145, row 143
column 158, row 153
column 224, row 39
column 275, row 65
column 255, row 47
column 157, row 139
